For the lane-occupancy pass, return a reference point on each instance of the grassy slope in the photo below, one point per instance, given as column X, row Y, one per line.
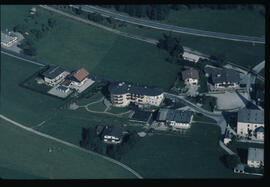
column 28, row 153
column 241, row 53
column 26, row 106
column 241, row 22
column 9, row 18
column 193, row 155
column 108, row 55
column 227, row 21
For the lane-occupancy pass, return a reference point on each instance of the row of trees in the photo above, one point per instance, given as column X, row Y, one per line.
column 161, row 11
column 90, row 140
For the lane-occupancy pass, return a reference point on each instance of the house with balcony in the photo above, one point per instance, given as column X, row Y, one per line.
column 179, row 119
column 250, row 123
column 79, row 77
column 255, row 157
column 112, row 134
column 122, row 94
column 190, row 76
column 54, row 75
column 221, row 78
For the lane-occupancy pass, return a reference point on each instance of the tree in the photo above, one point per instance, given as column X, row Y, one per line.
column 51, row 22
column 21, row 28
column 232, row 161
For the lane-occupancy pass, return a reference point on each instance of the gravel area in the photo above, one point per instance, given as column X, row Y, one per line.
column 228, row 100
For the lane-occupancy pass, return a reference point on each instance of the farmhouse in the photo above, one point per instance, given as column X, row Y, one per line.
column 54, row 74
column 255, row 157
column 8, row 39
column 190, row 76
column 250, row 123
column 122, row 94
column 175, row 118
column 222, row 78
column 190, row 57
column 112, row 134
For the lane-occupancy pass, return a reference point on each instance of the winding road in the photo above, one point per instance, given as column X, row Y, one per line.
column 173, row 28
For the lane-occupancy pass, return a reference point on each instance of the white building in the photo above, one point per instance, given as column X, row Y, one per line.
column 180, row 119
column 54, row 75
column 8, row 39
column 255, row 157
column 250, row 123
column 123, row 94
column 112, row 134
column 191, row 57
column 223, row 78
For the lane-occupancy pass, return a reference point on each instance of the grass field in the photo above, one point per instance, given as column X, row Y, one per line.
column 105, row 54
column 240, row 22
column 193, row 155
column 241, row 53
column 232, row 21
column 97, row 107
column 21, row 104
column 28, row 153
column 12, row 15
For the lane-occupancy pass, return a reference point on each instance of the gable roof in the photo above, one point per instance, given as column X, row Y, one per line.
column 219, row 75
column 80, row 74
column 123, row 88
column 251, row 116
column 180, row 116
column 53, row 71
column 190, row 73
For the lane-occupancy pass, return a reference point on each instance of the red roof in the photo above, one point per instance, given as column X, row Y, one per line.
column 80, row 74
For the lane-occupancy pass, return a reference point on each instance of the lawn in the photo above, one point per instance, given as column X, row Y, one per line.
column 105, row 54
column 201, row 117
column 117, row 110
column 28, row 153
column 233, row 21
column 12, row 15
column 97, row 107
column 193, row 155
column 21, row 104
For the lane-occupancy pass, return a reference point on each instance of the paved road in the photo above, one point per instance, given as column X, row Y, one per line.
column 259, row 67
column 18, row 56
column 70, row 145
column 172, row 28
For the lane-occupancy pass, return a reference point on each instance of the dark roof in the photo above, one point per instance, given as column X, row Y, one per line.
column 113, row 131
column 66, row 83
column 250, row 116
column 53, row 71
column 122, row 88
column 259, row 129
column 219, row 75
column 141, row 115
column 62, row 88
column 180, row 116
column 190, row 73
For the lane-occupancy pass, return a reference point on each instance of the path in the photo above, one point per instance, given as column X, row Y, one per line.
column 70, row 145
column 173, row 28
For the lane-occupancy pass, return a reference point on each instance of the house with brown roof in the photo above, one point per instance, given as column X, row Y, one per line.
column 190, row 76
column 79, row 77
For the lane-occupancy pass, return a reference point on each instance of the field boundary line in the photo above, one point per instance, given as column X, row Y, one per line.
column 70, row 145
